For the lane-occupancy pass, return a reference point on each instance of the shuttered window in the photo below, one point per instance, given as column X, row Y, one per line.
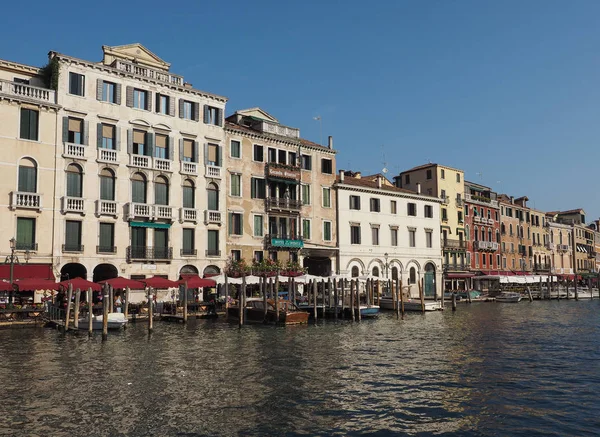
column 188, row 150
column 213, row 197
column 188, row 241
column 106, row 237
column 327, row 231
column 138, row 188
column 213, row 242
column 258, row 188
column 25, row 233
column 235, row 223
column 258, row 226
column 161, row 147
column 107, row 141
column 139, row 142
column 188, row 194
column 306, row 229
column 73, row 236
column 29, row 124
column 27, row 178
column 236, row 185
column 74, row 181
column 161, row 191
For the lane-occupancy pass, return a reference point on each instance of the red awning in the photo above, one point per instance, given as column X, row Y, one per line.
column 459, row 275
column 81, row 283
column 120, row 283
column 37, row 284
column 194, row 281
column 27, row 271
column 5, row 286
column 158, row 282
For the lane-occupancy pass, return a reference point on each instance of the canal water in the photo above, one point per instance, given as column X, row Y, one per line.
column 487, row 370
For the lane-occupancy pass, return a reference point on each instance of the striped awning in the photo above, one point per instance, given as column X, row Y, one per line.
column 581, row 249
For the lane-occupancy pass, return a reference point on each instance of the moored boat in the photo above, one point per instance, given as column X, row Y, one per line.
column 509, row 297
column 386, row 303
column 289, row 313
column 115, row 321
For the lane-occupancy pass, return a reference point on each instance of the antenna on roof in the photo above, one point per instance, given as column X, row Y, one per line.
column 480, row 174
column 320, row 120
column 384, row 170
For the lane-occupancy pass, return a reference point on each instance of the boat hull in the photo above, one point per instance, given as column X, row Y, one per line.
column 115, row 321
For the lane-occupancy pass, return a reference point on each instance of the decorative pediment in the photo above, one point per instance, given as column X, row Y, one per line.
column 162, row 126
column 134, row 53
column 257, row 113
column 140, row 122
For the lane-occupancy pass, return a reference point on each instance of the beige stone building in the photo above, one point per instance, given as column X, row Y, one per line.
column 540, row 263
column 516, row 234
column 136, row 156
column 446, row 183
column 584, row 248
column 280, row 201
column 29, row 119
column 560, row 245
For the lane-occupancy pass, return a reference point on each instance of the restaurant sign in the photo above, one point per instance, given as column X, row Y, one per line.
column 282, row 172
column 284, row 242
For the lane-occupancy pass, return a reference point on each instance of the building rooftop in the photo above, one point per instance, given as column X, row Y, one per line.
column 431, row 164
column 365, row 182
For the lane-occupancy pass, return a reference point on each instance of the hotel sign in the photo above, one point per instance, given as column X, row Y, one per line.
column 283, row 242
column 282, row 172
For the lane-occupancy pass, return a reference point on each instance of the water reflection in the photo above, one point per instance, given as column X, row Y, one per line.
column 488, row 369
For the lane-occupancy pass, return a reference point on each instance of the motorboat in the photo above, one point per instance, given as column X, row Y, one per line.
column 289, row 313
column 387, row 303
column 509, row 297
column 115, row 321
column 365, row 311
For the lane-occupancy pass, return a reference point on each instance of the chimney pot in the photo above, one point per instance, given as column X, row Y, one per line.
column 378, row 181
column 330, row 142
column 342, row 176
column 418, row 188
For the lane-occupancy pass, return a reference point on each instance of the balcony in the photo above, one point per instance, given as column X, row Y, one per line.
column 212, row 171
column 563, row 247
column 541, row 267
column 106, row 249
column 212, row 217
column 28, row 92
column 107, row 155
column 74, row 248
column 445, row 200
column 212, row 253
column 139, row 210
column 281, row 204
column 455, row 267
column 150, row 73
column 282, row 171
column 20, row 199
column 162, row 164
column 454, row 244
column 483, row 220
column 486, row 245
column 459, row 202
column 188, row 252
column 284, row 241
column 188, row 215
column 279, row 129
column 106, row 207
column 140, row 161
column 163, row 212
column 31, row 247
column 592, row 254
column 473, row 198
column 75, row 151
column 147, row 253
column 73, row 204
column 190, row 168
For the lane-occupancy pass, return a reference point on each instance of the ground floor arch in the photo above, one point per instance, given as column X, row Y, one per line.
column 104, row 271
column 72, row 271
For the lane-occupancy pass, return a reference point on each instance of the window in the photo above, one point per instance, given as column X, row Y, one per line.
column 393, row 207
column 442, row 173
column 407, row 179
column 326, row 197
column 457, row 177
column 326, row 231
column 27, row 176
column 74, row 181
column 412, row 276
column 213, row 243
column 161, row 191
column 109, row 92
column 76, row 84
column 460, row 217
column 273, row 256
column 188, row 150
column 19, row 80
column 292, row 160
column 259, row 255
column 394, row 236
column 306, row 229
column 305, row 194
column 236, row 255
column 428, row 211
column 235, row 223
column 213, row 155
column 466, row 210
column 282, row 157
column 326, row 166
column 443, row 194
column 374, row 205
column 428, row 174
column 213, row 115
column 412, row 238
column 73, row 237
column 258, row 188
column 188, row 246
column 161, row 147
column 236, row 181
column 188, row 194
column 140, row 99
column 355, row 202
column 258, row 154
column 138, row 142
column 355, row 234
column 106, row 238
column 306, row 162
column 74, row 130
column 25, row 233
column 107, row 184
column 163, row 105
column 444, row 214
column 375, row 236
column 29, row 124
column 272, row 155
column 187, row 110
column 258, row 225
column 138, row 188
column 235, row 149
column 412, row 209
column 428, row 239
column 106, row 136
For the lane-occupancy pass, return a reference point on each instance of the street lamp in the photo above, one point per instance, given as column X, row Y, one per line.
column 387, row 266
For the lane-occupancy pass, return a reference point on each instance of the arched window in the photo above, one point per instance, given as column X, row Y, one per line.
column 27, row 176
column 355, row 272
column 497, row 236
column 503, row 228
column 476, row 234
column 107, row 184
column 510, row 229
column 490, row 235
column 395, row 273
column 560, row 241
column 376, row 271
column 213, row 197
column 467, row 232
column 74, row 181
column 189, row 200
column 412, row 276
column 161, row 191
column 138, row 188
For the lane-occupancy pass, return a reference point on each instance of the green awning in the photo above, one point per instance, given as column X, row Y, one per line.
column 284, row 181
column 459, row 230
column 150, row 225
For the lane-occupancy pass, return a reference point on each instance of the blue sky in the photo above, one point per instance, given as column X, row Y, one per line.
column 508, row 89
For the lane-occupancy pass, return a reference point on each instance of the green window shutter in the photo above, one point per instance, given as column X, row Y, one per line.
column 253, row 188
column 220, row 117
column 188, row 197
column 99, row 85
column 65, row 129
column 181, row 149
column 149, row 144
column 27, row 179
column 205, row 153
column 170, row 142
column 213, row 240
column 188, row 240
column 99, row 135
column 107, row 239
column 73, row 234
column 196, row 157
column 107, row 188
column 24, row 123
column 25, row 233
column 129, row 141
column 118, row 93
column 230, row 222
column 161, row 238
column 86, row 133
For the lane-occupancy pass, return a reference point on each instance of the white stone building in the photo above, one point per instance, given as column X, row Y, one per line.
column 388, row 232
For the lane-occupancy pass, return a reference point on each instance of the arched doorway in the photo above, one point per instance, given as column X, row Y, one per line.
column 376, row 271
column 429, row 280
column 105, row 271
column 72, row 271
column 188, row 270
column 355, row 272
column 211, row 271
column 395, row 273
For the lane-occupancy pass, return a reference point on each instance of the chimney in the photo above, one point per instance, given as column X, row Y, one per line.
column 418, row 188
column 378, row 181
column 330, row 142
column 342, row 176
column 358, row 175
column 512, row 200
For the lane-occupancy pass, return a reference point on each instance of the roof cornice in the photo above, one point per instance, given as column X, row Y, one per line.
column 363, row 189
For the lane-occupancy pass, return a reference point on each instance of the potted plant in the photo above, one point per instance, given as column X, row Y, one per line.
column 237, row 268
column 266, row 268
column 292, row 269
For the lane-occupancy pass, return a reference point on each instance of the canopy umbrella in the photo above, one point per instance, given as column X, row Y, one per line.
column 5, row 286
column 195, row 281
column 120, row 283
column 158, row 282
column 81, row 283
column 36, row 284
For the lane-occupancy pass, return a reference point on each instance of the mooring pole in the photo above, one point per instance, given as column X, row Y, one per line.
column 105, row 310
column 68, row 314
column 90, row 302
